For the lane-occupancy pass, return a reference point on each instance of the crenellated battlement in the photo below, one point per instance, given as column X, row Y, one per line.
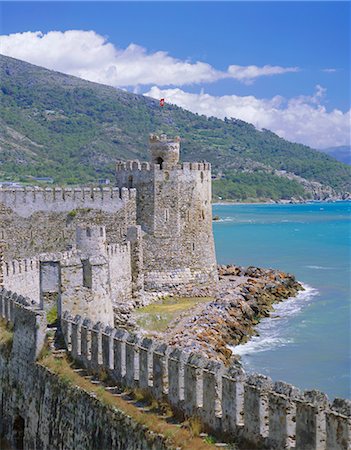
column 8, row 301
column 29, row 322
column 18, row 266
column 261, row 413
column 117, row 249
column 57, row 256
column 22, row 276
column 144, row 166
column 29, row 200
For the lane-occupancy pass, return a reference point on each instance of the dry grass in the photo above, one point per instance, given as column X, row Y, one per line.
column 157, row 316
column 6, row 337
column 195, row 426
column 176, row 435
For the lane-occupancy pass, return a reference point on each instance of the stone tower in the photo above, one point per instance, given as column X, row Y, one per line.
column 91, row 240
column 174, row 211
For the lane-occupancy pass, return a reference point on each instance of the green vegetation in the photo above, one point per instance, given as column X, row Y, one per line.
column 52, row 315
column 72, row 214
column 256, row 185
column 54, row 125
column 158, row 316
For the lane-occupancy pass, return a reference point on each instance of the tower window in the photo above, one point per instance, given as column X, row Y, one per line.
column 87, row 274
column 159, row 161
column 202, row 177
column 193, row 246
column 130, row 181
column 166, row 176
column 166, row 215
column 88, row 232
column 203, row 215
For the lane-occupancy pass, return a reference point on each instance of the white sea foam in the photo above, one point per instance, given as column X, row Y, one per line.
column 234, row 220
column 271, row 329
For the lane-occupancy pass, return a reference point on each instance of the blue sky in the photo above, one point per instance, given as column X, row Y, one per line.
column 286, row 58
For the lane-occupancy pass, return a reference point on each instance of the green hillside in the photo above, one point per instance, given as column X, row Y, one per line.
column 55, row 125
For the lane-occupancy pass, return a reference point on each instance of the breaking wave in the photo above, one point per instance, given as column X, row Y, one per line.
column 271, row 328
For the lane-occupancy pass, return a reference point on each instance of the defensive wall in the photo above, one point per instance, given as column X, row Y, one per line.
column 251, row 408
column 120, row 269
column 90, row 279
column 27, row 201
column 41, row 411
column 34, row 221
column 22, row 276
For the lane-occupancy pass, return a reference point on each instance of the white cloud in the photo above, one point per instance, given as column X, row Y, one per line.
column 301, row 119
column 329, row 70
column 89, row 55
column 248, row 73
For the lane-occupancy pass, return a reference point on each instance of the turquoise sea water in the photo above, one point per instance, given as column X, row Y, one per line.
column 307, row 341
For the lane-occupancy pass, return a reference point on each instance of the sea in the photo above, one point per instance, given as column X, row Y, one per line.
column 307, row 339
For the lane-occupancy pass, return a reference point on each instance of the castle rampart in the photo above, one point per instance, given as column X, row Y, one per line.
column 120, row 267
column 40, row 410
column 30, row 326
column 27, row 201
column 46, row 222
column 251, row 408
column 22, row 276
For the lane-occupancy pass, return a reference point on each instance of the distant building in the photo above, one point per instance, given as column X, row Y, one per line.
column 104, row 181
column 44, row 179
column 10, row 184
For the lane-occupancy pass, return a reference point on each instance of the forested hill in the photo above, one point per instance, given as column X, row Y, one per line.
column 59, row 126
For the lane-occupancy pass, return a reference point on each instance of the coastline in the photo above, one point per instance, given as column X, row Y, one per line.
column 278, row 202
column 243, row 297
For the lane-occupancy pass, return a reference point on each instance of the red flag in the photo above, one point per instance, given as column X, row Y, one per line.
column 162, row 102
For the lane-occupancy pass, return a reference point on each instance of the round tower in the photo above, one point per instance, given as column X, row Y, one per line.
column 91, row 239
column 164, row 151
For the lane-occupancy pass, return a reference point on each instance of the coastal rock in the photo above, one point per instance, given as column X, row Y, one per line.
column 242, row 297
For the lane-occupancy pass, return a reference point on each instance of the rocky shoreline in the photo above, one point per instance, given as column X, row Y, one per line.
column 243, row 297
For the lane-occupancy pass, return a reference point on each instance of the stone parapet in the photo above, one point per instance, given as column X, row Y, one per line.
column 251, row 408
column 27, row 201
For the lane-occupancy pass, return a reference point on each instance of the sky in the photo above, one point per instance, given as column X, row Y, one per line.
column 284, row 66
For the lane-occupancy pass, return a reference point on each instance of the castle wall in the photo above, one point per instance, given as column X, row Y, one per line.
column 41, row 411
column 45, row 220
column 250, row 408
column 85, row 288
column 22, row 276
column 174, row 210
column 119, row 260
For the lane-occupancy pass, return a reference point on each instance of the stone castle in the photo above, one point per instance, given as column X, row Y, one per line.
column 86, row 251
column 92, row 249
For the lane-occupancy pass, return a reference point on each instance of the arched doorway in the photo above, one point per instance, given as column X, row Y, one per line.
column 159, row 161
column 18, row 432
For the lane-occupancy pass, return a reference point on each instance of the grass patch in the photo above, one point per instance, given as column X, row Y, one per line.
column 177, row 436
column 52, row 315
column 158, row 315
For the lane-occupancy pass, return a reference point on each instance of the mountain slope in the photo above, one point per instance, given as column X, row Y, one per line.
column 73, row 130
column 341, row 153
